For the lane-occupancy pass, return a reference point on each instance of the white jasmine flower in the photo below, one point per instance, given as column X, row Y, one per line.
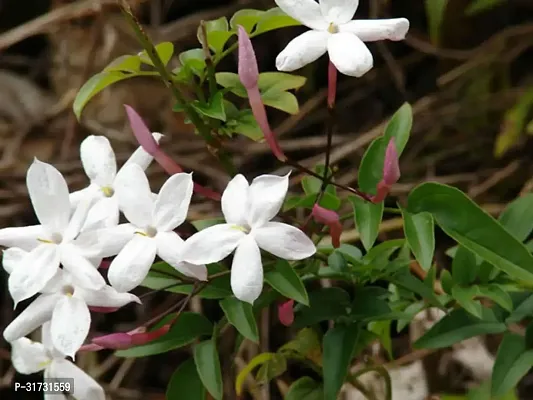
column 56, row 240
column 30, row 357
column 100, row 165
column 151, row 228
column 63, row 303
column 333, row 31
column 248, row 210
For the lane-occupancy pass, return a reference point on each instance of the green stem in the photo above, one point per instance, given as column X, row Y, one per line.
column 384, row 374
column 392, row 210
column 208, row 61
column 195, row 118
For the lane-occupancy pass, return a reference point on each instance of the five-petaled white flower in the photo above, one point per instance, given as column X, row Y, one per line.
column 151, row 228
column 100, row 165
column 30, row 357
column 334, row 31
column 248, row 210
column 63, row 303
column 57, row 240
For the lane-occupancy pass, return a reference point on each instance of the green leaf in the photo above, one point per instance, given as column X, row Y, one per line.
column 217, row 34
column 94, row 86
column 399, row 128
column 165, row 51
column 497, row 295
column 208, row 367
column 283, row 101
column 419, row 231
column 272, row 368
column 383, row 330
column 367, row 219
column 215, row 108
column 458, row 326
column 273, row 19
column 185, row 383
column 446, row 280
column 464, row 266
column 337, row 262
column 279, row 81
column 247, row 18
column 184, row 331
column 465, row 297
column 194, row 59
column 126, row 63
column 463, row 220
column 478, row 6
column 286, row 281
column 324, row 304
column 339, row 346
column 243, row 374
column 306, row 344
column 245, row 124
column 513, row 361
column 435, row 10
column 523, row 309
column 305, row 388
column 231, row 81
column 329, row 201
column 241, row 316
column 517, row 217
column 201, row 224
column 218, row 39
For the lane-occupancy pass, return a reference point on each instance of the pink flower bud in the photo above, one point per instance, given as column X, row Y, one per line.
column 331, row 219
column 141, row 131
column 248, row 70
column 114, row 341
column 391, row 167
column 381, row 193
column 286, row 313
column 146, row 337
column 103, row 310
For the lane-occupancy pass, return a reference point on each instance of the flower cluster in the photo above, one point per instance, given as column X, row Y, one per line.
column 59, row 259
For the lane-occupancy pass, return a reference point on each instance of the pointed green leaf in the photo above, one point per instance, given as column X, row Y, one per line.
column 273, row 19
column 463, row 220
column 464, row 266
column 279, row 81
column 498, row 295
column 208, row 367
column 194, row 59
column 517, row 217
column 324, row 304
column 286, row 281
column 215, row 108
column 305, row 388
column 419, row 231
column 435, row 10
column 271, row 369
column 399, row 127
column 465, row 297
column 247, row 18
column 127, row 63
column 185, row 383
column 241, row 316
column 339, row 346
column 283, row 101
column 367, row 219
column 165, row 51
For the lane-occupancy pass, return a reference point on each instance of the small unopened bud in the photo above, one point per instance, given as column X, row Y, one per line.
column 141, row 131
column 114, row 341
column 331, row 219
column 248, row 70
column 146, row 337
column 391, row 166
column 286, row 312
column 103, row 310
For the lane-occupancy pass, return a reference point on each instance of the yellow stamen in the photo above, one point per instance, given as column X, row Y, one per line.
column 45, row 241
column 141, row 233
column 108, row 191
column 44, row 364
column 240, row 228
column 332, row 28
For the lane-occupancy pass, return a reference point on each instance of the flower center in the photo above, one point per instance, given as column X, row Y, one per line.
column 332, row 28
column 108, row 191
column 150, row 232
column 246, row 229
column 68, row 290
column 55, row 238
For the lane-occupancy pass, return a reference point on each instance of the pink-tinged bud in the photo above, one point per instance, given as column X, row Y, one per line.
column 286, row 312
column 381, row 193
column 103, row 310
column 146, row 337
column 248, row 70
column 332, row 84
column 391, row 166
column 114, row 341
column 141, row 131
column 331, row 219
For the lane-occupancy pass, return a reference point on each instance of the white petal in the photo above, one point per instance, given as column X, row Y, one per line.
column 33, row 272
column 211, row 244
column 305, row 11
column 132, row 264
column 134, row 195
column 11, row 257
column 103, row 214
column 70, row 324
column 235, row 200
column 284, row 241
column 267, row 193
column 78, row 218
column 113, row 239
column 37, row 313
column 83, row 272
column 49, row 196
column 140, row 156
column 247, row 271
column 338, row 11
column 169, row 248
column 24, row 237
column 107, row 297
column 302, row 50
column 349, row 54
column 85, row 387
column 370, row 30
column 172, row 204
column 28, row 357
column 75, row 197
column 98, row 159
column 56, row 283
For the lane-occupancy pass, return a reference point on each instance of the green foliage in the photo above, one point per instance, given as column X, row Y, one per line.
column 305, row 388
column 367, row 220
column 241, row 316
column 419, row 231
column 478, row 6
column 208, row 367
column 185, row 383
column 286, row 281
column 435, row 11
